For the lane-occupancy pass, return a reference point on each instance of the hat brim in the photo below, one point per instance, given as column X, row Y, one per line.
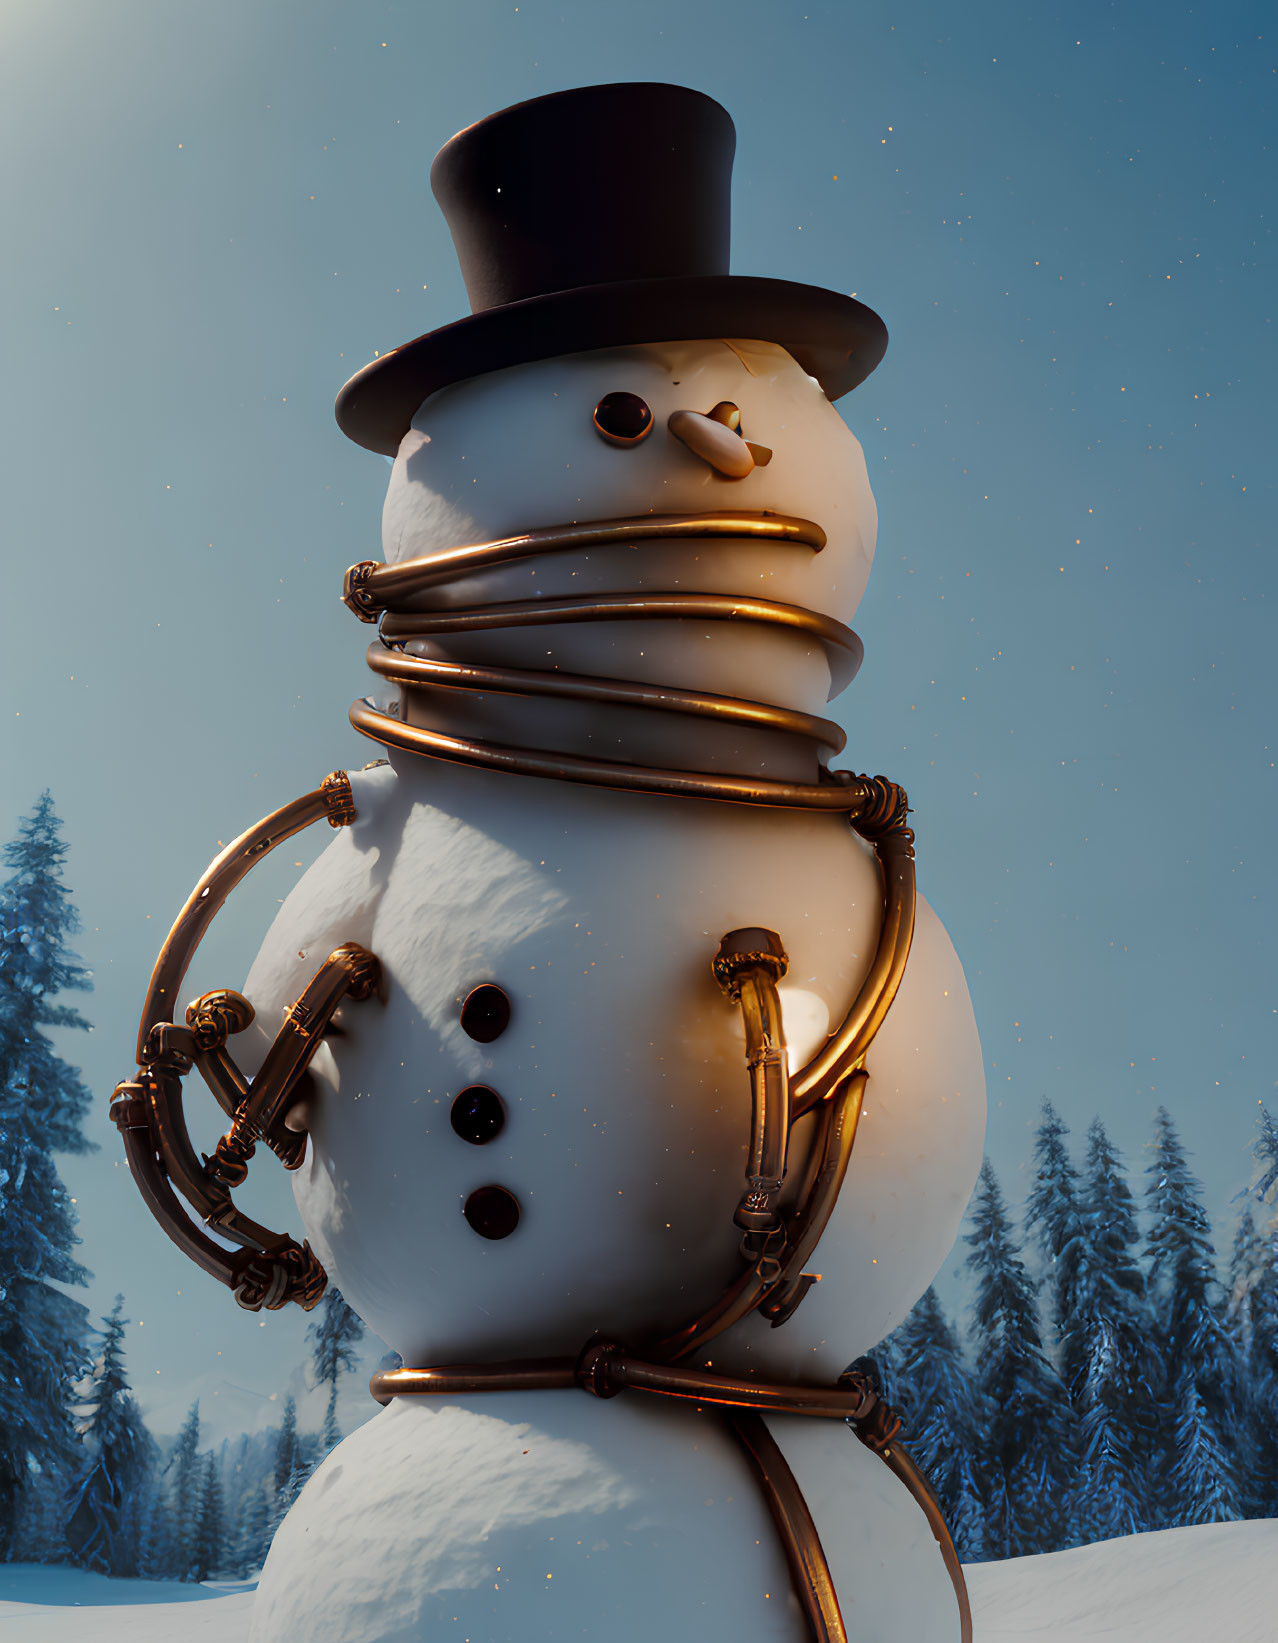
column 834, row 338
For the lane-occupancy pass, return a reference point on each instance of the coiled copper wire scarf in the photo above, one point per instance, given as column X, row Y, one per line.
column 269, row 1269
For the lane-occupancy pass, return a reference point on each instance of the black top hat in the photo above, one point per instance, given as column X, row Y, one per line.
column 590, row 219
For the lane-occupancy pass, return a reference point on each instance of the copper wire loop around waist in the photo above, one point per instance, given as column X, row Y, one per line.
column 390, row 592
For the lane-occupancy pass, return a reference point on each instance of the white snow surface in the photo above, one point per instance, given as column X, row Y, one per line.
column 53, row 1604
column 1177, row 1586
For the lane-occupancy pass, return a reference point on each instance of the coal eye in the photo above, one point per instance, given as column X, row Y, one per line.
column 623, row 419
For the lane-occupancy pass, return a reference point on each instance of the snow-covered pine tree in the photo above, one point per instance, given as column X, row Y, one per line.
column 1246, row 1270
column 336, row 1333
column 207, row 1548
column 43, row 1347
column 115, row 1472
column 944, row 1417
column 183, row 1501
column 303, row 1466
column 1263, row 1284
column 254, row 1538
column 1053, row 1216
column 1254, row 1308
column 1265, row 1148
column 1028, row 1448
column 1202, row 1480
column 1113, row 1396
column 286, row 1448
column 1250, row 1321
column 1191, row 1334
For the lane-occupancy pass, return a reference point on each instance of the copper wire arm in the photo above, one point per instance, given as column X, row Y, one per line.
column 833, row 1083
column 776, row 1284
column 748, row 966
column 880, row 819
column 268, row 1269
column 332, row 799
column 349, row 971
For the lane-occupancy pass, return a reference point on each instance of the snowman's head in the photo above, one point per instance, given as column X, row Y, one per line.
column 533, row 446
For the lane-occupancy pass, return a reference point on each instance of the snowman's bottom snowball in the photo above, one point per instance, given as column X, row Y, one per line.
column 510, row 1519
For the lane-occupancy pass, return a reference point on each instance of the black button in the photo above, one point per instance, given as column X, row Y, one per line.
column 485, row 1015
column 478, row 1114
column 623, row 419
column 492, row 1212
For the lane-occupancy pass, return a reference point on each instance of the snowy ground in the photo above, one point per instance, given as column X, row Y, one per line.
column 58, row 1605
column 1179, row 1586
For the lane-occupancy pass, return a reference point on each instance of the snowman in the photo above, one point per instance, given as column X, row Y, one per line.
column 606, row 970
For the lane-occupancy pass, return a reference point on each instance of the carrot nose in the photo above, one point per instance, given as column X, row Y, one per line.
column 714, row 438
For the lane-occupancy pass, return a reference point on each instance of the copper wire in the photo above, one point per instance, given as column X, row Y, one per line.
column 393, row 592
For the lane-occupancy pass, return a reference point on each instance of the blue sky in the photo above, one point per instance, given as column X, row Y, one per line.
column 219, row 213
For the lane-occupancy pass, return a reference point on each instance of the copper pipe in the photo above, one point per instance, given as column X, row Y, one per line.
column 432, row 671
column 623, row 607
column 457, row 1379
column 221, row 876
column 738, row 1301
column 915, row 1480
column 270, row 1269
column 606, row 1370
column 372, row 587
column 348, row 971
column 809, row 1569
column 224, row 1079
column 747, row 967
column 128, row 1112
column 572, row 767
column 827, row 1165
column 845, row 1048
column 817, row 1205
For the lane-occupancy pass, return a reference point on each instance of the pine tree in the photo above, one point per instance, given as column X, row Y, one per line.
column 255, row 1532
column 1252, row 1323
column 183, row 1504
column 42, row 1103
column 1190, row 1327
column 116, row 1472
column 1265, row 1148
column 1029, row 1443
column 207, row 1544
column 1263, row 1278
column 336, row 1333
column 1054, row 1216
column 1246, row 1274
column 1203, row 1479
column 1113, row 1395
column 1261, row 1352
column 286, row 1448
column 284, row 1497
column 944, row 1417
